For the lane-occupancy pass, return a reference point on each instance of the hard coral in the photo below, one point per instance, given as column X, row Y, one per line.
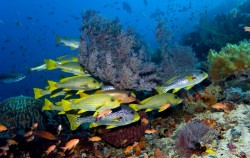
column 21, row 112
column 189, row 139
column 230, row 59
column 114, row 55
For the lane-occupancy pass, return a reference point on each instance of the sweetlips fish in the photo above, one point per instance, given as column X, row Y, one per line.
column 66, row 66
column 75, row 83
column 121, row 117
column 158, row 101
column 94, row 102
column 11, row 77
column 185, row 80
column 67, row 41
column 48, row 105
column 38, row 93
column 120, row 95
column 59, row 60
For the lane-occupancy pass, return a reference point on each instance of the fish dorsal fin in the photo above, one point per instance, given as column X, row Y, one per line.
column 68, row 78
column 145, row 100
column 170, row 80
column 159, row 89
column 93, row 125
column 74, row 124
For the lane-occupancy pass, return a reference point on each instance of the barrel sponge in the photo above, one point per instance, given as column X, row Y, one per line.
column 21, row 112
column 228, row 60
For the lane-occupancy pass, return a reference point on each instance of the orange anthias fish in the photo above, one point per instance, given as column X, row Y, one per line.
column 12, row 142
column 45, row 135
column 50, row 149
column 103, row 113
column 150, row 131
column 3, row 128
column 95, row 139
column 69, row 145
column 223, row 106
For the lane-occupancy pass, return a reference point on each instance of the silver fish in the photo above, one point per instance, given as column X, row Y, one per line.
column 10, row 78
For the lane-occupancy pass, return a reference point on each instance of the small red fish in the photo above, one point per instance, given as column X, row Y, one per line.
column 45, row 135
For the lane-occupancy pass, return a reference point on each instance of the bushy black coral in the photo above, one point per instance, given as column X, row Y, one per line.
column 114, row 55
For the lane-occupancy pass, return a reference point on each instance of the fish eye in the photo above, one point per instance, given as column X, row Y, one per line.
column 112, row 99
column 175, row 97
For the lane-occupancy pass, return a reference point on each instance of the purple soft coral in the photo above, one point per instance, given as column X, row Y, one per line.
column 189, row 138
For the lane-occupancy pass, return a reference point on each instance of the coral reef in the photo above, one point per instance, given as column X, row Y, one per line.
column 216, row 33
column 189, row 139
column 21, row 112
column 173, row 62
column 124, row 136
column 203, row 100
column 124, row 60
column 228, row 60
column 236, row 86
column 114, row 55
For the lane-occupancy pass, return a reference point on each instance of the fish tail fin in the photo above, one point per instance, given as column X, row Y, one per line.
column 52, row 85
column 64, row 149
column 66, row 105
column 50, row 64
column 74, row 124
column 134, row 106
column 58, row 39
column 47, row 105
column 37, row 93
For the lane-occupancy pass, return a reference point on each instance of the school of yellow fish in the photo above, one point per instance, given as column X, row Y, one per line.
column 85, row 99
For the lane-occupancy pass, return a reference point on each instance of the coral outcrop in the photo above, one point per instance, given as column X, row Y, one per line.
column 228, row 60
column 21, row 112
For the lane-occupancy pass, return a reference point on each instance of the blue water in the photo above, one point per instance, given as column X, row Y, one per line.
column 28, row 29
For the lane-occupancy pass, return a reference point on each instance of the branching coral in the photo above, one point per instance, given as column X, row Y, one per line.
column 230, row 59
column 114, row 55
